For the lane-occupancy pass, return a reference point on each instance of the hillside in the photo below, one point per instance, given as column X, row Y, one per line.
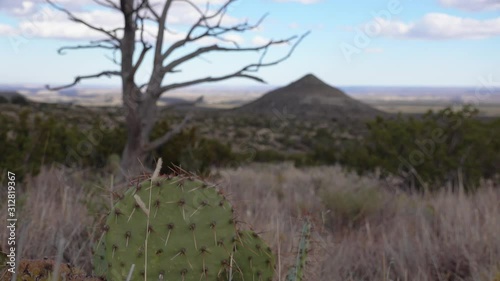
column 12, row 96
column 309, row 97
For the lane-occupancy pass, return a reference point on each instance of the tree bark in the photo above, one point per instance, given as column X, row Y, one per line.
column 140, row 123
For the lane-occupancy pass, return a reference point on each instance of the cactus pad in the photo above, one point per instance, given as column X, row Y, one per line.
column 174, row 228
column 99, row 263
column 253, row 259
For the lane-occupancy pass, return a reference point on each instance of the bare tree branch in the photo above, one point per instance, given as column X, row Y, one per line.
column 152, row 11
column 145, row 47
column 243, row 72
column 209, row 79
column 113, row 58
column 168, row 135
column 79, row 47
column 72, row 17
column 79, row 78
column 107, row 3
column 141, row 6
column 161, row 32
column 156, row 17
column 203, row 14
column 216, row 47
column 204, row 18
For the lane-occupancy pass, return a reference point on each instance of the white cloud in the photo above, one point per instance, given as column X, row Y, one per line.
column 259, row 40
column 47, row 23
column 41, row 21
column 472, row 5
column 26, row 8
column 23, row 7
column 16, row 7
column 6, row 29
column 236, row 38
column 438, row 26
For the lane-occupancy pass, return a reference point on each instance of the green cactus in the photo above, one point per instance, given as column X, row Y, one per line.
column 99, row 263
column 175, row 228
column 296, row 273
column 252, row 258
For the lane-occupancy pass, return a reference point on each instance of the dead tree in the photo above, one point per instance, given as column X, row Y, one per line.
column 140, row 101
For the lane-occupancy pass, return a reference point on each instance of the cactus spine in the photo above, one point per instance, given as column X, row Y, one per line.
column 296, row 273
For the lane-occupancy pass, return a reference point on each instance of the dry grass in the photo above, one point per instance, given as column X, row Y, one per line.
column 393, row 236
column 52, row 211
column 364, row 230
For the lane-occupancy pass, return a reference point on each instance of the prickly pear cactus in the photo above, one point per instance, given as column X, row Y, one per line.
column 173, row 228
column 99, row 263
column 297, row 272
column 253, row 259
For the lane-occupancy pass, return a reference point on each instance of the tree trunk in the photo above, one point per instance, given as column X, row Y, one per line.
column 140, row 118
column 133, row 157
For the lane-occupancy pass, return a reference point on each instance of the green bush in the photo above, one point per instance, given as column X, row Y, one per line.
column 269, row 155
column 33, row 139
column 446, row 148
column 192, row 152
column 19, row 100
column 30, row 140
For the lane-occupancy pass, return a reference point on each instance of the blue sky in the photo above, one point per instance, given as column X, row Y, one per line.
column 364, row 42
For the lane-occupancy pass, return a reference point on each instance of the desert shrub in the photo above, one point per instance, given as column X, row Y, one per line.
column 192, row 152
column 269, row 155
column 31, row 140
column 240, row 133
column 19, row 100
column 109, row 140
column 205, row 153
column 445, row 148
column 274, row 156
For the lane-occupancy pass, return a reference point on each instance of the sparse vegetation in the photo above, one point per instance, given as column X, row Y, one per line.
column 366, row 226
column 446, row 236
column 445, row 148
column 442, row 148
column 310, row 181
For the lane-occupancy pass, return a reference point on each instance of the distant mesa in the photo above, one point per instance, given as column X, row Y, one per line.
column 309, row 97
